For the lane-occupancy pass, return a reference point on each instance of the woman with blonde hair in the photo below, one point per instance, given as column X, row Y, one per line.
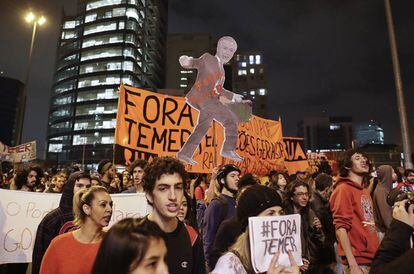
column 75, row 252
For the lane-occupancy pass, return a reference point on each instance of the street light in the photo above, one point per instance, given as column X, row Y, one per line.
column 30, row 18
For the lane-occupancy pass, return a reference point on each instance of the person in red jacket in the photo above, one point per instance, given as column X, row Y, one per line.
column 353, row 215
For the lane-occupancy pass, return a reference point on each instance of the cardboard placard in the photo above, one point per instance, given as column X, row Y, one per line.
column 271, row 234
column 21, row 212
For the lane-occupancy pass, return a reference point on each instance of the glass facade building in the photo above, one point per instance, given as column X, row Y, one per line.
column 107, row 43
column 369, row 133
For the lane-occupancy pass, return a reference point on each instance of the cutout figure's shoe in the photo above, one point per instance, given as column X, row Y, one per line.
column 186, row 159
column 232, row 155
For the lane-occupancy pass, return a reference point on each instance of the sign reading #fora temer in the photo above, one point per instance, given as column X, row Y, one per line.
column 271, row 234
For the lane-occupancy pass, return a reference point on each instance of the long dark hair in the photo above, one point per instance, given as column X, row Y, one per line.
column 346, row 162
column 125, row 245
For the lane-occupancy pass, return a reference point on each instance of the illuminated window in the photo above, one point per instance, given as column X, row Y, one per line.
column 258, row 59
column 97, row 94
column 243, row 64
column 69, row 25
column 252, row 92
column 116, row 12
column 252, row 70
column 101, row 53
column 183, row 79
column 262, row 91
column 100, row 28
column 132, row 13
column 68, row 34
column 102, row 3
column 55, row 147
column 251, row 59
column 242, row 72
column 90, row 17
column 183, row 85
column 334, row 127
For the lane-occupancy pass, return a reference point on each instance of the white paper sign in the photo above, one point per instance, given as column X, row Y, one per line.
column 21, row 213
column 271, row 234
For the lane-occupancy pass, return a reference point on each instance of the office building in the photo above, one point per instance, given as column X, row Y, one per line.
column 190, row 44
column 249, row 78
column 107, row 43
column 369, row 133
column 326, row 133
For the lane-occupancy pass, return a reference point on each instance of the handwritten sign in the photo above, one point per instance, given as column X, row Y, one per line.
column 295, row 157
column 21, row 213
column 18, row 154
column 151, row 124
column 269, row 235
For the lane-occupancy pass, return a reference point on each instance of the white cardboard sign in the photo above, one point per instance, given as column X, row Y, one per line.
column 271, row 234
column 21, row 213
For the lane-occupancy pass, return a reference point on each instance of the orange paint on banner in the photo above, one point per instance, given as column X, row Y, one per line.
column 151, row 124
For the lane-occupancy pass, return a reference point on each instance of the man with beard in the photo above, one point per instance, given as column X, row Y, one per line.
column 26, row 177
column 353, row 215
column 106, row 169
column 408, row 185
column 221, row 208
column 59, row 220
column 24, row 180
column 136, row 169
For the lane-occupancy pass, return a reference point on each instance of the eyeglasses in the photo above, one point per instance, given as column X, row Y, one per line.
column 302, row 194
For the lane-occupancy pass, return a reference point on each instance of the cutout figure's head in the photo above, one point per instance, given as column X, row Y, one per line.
column 226, row 47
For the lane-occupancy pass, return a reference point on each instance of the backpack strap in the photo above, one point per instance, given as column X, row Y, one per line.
column 192, row 233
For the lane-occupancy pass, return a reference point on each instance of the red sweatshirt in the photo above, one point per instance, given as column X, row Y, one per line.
column 352, row 210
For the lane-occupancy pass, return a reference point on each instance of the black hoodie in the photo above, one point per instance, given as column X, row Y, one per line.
column 56, row 222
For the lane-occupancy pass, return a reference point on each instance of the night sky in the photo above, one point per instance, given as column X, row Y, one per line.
column 323, row 57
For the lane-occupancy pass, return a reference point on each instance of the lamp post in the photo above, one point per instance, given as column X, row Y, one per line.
column 399, row 88
column 30, row 18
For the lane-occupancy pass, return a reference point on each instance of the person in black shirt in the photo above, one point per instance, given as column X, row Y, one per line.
column 164, row 187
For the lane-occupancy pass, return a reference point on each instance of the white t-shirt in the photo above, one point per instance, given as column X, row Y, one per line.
column 229, row 263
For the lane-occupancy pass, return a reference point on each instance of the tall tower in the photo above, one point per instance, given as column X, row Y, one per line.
column 107, row 43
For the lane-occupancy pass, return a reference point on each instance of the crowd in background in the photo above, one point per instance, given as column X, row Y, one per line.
column 351, row 220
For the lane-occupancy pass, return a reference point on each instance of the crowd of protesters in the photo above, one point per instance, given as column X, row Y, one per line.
column 355, row 221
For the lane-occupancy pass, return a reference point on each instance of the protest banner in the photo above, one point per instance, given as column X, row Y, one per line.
column 18, row 154
column 21, row 213
column 271, row 234
column 151, row 125
column 332, row 157
column 295, row 156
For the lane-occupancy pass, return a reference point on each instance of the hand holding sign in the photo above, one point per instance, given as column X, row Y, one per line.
column 273, row 240
column 275, row 268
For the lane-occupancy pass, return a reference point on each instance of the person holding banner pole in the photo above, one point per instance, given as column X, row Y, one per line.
column 75, row 252
column 256, row 200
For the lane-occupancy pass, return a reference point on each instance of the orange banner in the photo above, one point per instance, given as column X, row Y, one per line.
column 295, row 157
column 151, row 124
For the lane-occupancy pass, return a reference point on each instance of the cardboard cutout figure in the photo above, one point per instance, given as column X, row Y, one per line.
column 213, row 102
